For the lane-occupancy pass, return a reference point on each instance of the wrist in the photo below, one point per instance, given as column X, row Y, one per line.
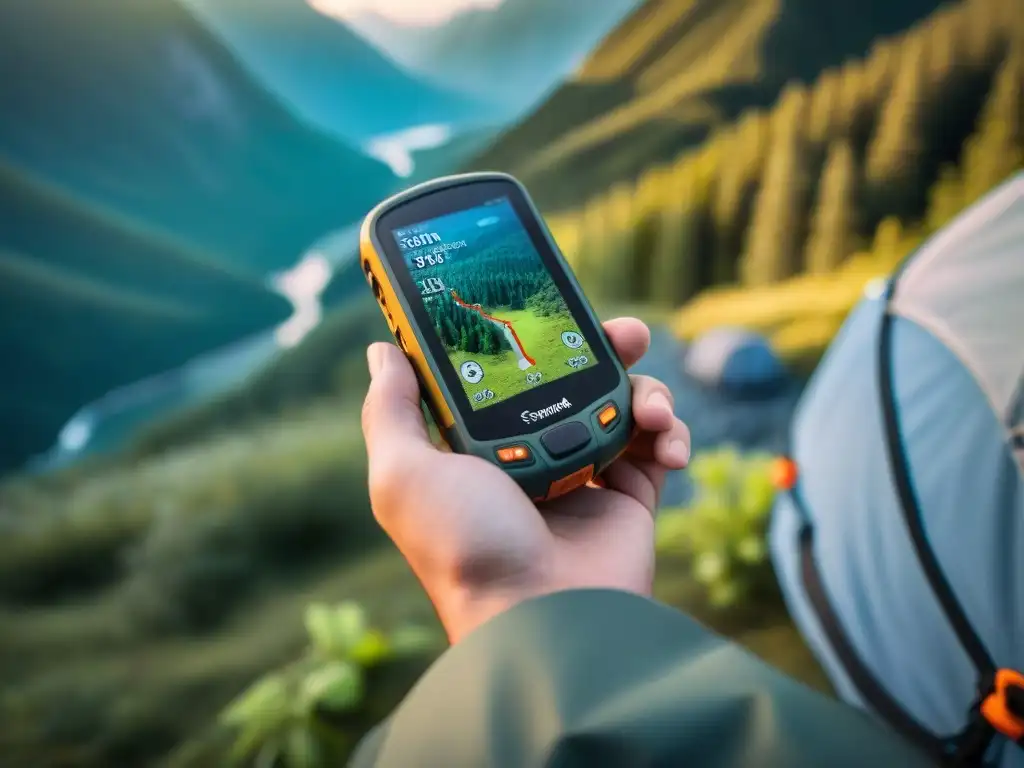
column 465, row 608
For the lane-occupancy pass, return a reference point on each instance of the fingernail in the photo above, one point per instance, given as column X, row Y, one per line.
column 659, row 401
column 374, row 358
column 680, row 451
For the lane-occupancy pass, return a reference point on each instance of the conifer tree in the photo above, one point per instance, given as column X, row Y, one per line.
column 896, row 152
column 832, row 233
column 733, row 192
column 566, row 231
column 615, row 269
column 673, row 274
column 945, row 199
column 593, row 244
column 1005, row 103
column 888, row 238
column 824, row 106
column 982, row 33
column 997, row 148
column 880, row 69
column 943, row 46
column 850, row 99
column 773, row 245
column 863, row 86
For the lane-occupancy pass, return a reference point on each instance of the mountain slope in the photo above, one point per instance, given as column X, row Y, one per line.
column 673, row 71
column 89, row 301
column 331, row 75
column 511, row 54
column 138, row 107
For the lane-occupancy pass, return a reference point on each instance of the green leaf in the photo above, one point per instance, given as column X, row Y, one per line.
column 349, row 622
column 265, row 702
column 756, row 495
column 415, row 641
column 371, row 650
column 337, row 687
column 725, row 594
column 319, row 621
column 751, row 550
column 672, row 530
column 250, row 739
column 267, row 757
column 709, row 567
column 302, row 750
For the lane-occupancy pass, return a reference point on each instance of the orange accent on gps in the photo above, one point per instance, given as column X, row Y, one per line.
column 513, row 453
column 571, row 482
column 607, row 415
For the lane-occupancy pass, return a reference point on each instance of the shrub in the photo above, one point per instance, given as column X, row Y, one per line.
column 287, row 501
column 186, row 536
column 721, row 534
column 297, row 717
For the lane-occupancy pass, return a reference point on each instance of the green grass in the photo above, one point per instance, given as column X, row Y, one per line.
column 541, row 338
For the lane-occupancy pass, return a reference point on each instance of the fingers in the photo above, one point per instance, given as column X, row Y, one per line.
column 640, row 481
column 652, row 405
column 630, row 338
column 663, row 437
column 670, row 449
column 661, row 443
column 393, row 423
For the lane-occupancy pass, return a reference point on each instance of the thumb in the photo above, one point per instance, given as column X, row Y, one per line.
column 393, row 423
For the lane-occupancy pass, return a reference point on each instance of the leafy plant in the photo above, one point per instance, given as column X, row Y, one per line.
column 722, row 532
column 287, row 718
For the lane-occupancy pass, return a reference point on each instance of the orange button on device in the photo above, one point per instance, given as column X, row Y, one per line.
column 571, row 482
column 607, row 415
column 513, row 454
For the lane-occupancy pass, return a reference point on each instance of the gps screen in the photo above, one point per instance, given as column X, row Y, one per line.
column 493, row 304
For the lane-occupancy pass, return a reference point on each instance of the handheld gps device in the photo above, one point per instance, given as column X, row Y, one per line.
column 513, row 363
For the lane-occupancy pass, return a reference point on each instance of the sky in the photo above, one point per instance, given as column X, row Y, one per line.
column 408, row 11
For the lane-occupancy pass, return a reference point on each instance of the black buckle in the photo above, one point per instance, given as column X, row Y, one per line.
column 968, row 747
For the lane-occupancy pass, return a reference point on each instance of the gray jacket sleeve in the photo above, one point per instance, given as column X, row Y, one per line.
column 600, row 678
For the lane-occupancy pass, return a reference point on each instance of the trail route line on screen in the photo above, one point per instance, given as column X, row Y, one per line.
column 525, row 361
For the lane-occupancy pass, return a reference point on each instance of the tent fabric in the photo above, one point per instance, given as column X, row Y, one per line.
column 734, row 360
column 967, row 288
column 957, row 362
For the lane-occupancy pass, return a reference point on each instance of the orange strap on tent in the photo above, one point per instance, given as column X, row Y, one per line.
column 1003, row 708
column 784, row 473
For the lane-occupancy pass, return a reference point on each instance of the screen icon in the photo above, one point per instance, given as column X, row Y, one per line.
column 471, row 371
column 572, row 340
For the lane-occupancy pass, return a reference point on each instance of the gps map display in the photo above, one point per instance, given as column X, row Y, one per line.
column 495, row 307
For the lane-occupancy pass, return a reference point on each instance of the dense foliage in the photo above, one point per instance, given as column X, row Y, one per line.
column 295, row 717
column 907, row 137
column 721, row 534
column 507, row 273
column 463, row 329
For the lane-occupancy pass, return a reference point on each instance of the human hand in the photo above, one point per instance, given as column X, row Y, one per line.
column 477, row 543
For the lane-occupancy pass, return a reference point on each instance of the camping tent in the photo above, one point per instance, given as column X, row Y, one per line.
column 736, row 362
column 900, row 546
